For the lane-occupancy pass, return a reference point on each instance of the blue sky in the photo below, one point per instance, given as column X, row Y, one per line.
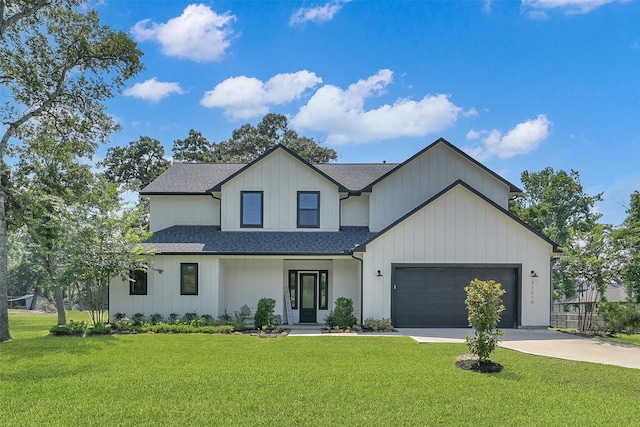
column 519, row 85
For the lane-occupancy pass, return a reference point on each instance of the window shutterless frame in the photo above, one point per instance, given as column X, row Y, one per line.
column 308, row 209
column 251, row 209
column 323, row 291
column 188, row 278
column 293, row 288
column 138, row 282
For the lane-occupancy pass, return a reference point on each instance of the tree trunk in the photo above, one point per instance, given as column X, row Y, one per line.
column 4, row 286
column 34, row 300
column 58, row 294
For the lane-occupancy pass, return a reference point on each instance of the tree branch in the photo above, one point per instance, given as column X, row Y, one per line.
column 11, row 20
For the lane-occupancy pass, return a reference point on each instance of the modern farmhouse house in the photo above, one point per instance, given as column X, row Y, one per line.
column 400, row 240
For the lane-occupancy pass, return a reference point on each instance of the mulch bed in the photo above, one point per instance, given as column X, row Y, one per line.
column 469, row 362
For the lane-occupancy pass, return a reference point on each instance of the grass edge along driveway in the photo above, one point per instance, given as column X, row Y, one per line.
column 149, row 379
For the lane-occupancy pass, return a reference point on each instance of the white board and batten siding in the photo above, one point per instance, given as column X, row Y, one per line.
column 168, row 211
column 460, row 228
column 280, row 176
column 163, row 289
column 424, row 177
column 354, row 211
column 247, row 280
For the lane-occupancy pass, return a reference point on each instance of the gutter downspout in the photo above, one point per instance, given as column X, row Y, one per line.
column 219, row 208
column 340, row 209
column 361, row 285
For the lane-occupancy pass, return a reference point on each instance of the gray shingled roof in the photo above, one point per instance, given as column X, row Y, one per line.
column 191, row 178
column 355, row 176
column 199, row 178
column 209, row 239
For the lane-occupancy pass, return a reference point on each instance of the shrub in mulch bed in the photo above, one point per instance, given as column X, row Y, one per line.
column 469, row 362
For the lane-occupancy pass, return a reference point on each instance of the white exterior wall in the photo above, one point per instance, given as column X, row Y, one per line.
column 246, row 280
column 163, row 290
column 460, row 228
column 167, row 211
column 280, row 176
column 423, row 178
column 354, row 211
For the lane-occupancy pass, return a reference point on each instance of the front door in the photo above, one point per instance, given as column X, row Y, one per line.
column 308, row 290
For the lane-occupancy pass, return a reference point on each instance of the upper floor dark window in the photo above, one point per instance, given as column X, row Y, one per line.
column 308, row 209
column 251, row 209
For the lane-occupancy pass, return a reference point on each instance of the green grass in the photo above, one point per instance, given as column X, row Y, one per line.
column 624, row 339
column 194, row 379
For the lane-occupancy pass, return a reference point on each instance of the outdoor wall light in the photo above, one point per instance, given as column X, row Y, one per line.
column 533, row 273
column 379, row 273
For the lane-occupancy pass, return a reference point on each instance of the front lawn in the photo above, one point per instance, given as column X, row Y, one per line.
column 624, row 339
column 194, row 379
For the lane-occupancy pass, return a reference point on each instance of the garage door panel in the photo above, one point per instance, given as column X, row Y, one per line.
column 434, row 296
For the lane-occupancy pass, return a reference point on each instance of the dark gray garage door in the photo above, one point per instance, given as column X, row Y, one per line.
column 433, row 297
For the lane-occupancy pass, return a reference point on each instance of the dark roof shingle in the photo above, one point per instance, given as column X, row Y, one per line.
column 210, row 240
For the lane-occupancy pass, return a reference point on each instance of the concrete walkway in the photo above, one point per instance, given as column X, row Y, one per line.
column 532, row 341
column 543, row 343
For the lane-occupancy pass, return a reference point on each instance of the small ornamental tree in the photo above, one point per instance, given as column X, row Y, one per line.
column 484, row 303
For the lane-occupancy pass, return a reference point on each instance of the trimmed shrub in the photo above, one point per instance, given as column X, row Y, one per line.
column 173, row 318
column 484, row 303
column 342, row 316
column 138, row 319
column 71, row 328
column 166, row 328
column 156, row 318
column 264, row 314
column 190, row 317
column 99, row 329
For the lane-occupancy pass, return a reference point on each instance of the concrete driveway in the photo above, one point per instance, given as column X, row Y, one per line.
column 543, row 343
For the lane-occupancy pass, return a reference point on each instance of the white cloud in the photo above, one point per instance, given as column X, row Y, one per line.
column 244, row 97
column 318, row 14
column 342, row 116
column 199, row 34
column 537, row 8
column 522, row 139
column 153, row 90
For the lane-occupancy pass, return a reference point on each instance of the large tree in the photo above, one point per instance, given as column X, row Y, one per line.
column 58, row 65
column 195, row 148
column 249, row 142
column 48, row 178
column 555, row 203
column 135, row 165
column 628, row 248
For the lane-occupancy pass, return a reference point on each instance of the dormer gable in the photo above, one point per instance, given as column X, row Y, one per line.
column 280, row 191
column 275, row 149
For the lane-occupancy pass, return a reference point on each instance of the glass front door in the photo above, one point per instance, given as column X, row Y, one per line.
column 308, row 297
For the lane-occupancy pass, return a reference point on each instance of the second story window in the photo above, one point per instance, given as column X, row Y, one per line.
column 251, row 209
column 308, row 209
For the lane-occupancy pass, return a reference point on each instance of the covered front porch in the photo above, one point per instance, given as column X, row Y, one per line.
column 311, row 285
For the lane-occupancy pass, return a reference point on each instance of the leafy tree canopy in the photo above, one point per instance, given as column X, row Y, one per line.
column 58, row 65
column 136, row 165
column 195, row 148
column 249, row 142
column 555, row 204
column 628, row 248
